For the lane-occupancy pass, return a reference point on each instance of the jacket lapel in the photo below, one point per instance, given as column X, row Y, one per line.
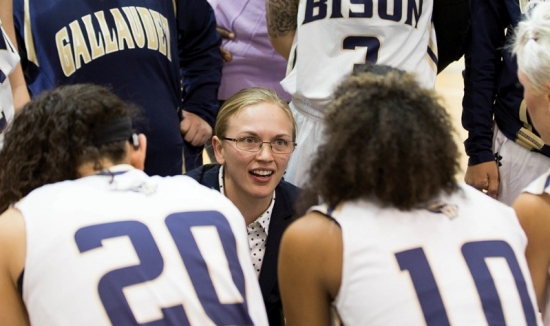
column 280, row 219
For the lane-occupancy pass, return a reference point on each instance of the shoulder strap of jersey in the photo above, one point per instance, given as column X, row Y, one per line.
column 330, row 212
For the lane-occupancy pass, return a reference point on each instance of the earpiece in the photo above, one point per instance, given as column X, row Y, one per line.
column 135, row 141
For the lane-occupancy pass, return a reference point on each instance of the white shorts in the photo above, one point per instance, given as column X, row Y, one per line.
column 309, row 125
column 519, row 166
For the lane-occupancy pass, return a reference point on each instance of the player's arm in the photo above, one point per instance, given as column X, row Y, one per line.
column 17, row 81
column 282, row 16
column 533, row 212
column 201, row 67
column 12, row 260
column 310, row 269
column 482, row 61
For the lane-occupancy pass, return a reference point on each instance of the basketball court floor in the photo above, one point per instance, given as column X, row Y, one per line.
column 450, row 86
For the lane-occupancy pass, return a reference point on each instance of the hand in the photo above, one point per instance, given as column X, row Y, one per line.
column 484, row 177
column 226, row 35
column 195, row 130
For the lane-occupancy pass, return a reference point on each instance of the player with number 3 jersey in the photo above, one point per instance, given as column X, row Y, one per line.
column 111, row 245
column 323, row 40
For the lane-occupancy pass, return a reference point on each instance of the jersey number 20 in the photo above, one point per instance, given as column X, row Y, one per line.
column 151, row 265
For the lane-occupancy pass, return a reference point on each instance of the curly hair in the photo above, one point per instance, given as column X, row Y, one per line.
column 53, row 135
column 385, row 138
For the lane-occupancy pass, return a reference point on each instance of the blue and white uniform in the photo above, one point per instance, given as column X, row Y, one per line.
column 493, row 110
column 128, row 249
column 134, row 47
column 461, row 265
column 331, row 37
column 8, row 61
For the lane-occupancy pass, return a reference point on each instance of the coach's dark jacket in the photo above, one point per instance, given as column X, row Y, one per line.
column 285, row 196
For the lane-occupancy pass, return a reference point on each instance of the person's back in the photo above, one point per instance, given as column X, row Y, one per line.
column 124, row 248
column 87, row 238
column 434, row 261
column 331, row 39
column 531, row 47
column 163, row 252
column 134, row 47
column 396, row 240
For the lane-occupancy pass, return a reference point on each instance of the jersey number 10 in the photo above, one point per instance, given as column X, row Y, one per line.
column 474, row 253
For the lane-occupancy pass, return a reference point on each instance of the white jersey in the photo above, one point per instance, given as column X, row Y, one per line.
column 8, row 61
column 540, row 186
column 466, row 267
column 333, row 35
column 130, row 249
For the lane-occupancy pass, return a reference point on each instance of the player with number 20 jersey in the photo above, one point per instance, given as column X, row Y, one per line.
column 142, row 251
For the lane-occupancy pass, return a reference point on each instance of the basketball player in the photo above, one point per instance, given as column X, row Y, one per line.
column 324, row 40
column 397, row 241
column 532, row 47
column 254, row 139
column 9, row 60
column 505, row 151
column 102, row 243
column 136, row 48
column 13, row 90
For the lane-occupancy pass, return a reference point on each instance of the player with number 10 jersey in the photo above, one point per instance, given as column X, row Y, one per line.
column 436, row 267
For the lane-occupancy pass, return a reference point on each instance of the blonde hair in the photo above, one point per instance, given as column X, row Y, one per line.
column 532, row 46
column 245, row 98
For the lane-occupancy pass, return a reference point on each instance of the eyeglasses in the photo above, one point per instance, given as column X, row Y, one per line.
column 254, row 144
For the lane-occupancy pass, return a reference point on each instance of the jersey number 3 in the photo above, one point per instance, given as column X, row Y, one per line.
column 180, row 226
column 371, row 43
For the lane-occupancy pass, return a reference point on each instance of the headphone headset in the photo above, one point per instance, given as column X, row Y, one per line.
column 135, row 141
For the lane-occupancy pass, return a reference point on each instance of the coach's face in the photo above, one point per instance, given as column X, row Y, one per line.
column 254, row 175
column 538, row 106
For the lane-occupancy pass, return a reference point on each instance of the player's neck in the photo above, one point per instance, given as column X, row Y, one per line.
column 87, row 169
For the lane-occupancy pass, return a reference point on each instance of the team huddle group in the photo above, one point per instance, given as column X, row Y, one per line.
column 331, row 198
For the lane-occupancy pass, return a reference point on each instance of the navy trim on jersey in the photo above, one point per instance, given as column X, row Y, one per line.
column 432, row 55
column 20, row 283
column 547, row 183
column 330, row 209
column 110, row 174
column 328, row 214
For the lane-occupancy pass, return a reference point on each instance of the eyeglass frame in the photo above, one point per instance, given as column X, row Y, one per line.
column 236, row 140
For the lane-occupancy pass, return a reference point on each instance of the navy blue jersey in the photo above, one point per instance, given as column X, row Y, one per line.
column 135, row 47
column 491, row 87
